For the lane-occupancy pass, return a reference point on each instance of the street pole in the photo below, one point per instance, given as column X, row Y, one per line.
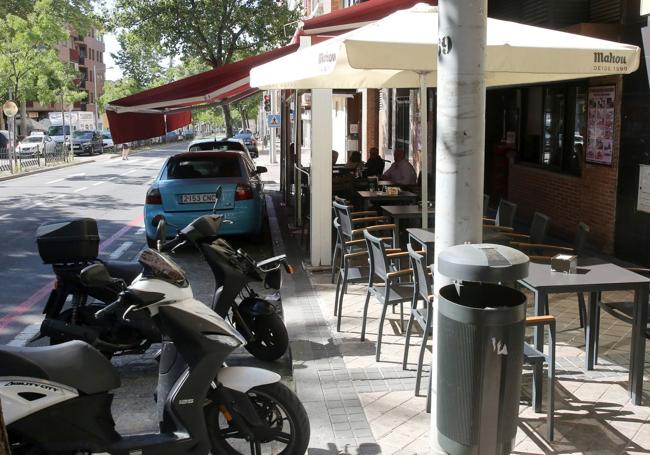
column 460, row 141
column 95, row 95
column 274, row 110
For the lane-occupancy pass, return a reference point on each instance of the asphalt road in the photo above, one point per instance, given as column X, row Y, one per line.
column 110, row 190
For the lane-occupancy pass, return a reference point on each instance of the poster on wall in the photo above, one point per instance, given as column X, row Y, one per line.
column 600, row 124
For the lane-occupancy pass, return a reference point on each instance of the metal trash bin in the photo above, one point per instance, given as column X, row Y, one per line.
column 480, row 349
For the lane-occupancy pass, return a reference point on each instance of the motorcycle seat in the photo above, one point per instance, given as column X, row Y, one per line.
column 75, row 364
column 125, row 270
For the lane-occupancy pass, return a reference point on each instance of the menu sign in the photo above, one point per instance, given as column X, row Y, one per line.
column 643, row 197
column 600, row 124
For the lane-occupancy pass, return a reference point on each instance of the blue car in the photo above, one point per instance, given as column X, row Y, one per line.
column 186, row 189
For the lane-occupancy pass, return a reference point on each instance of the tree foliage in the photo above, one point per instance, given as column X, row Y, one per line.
column 213, row 32
column 29, row 63
column 78, row 13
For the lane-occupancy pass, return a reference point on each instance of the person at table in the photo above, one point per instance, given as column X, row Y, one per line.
column 375, row 164
column 354, row 164
column 335, row 156
column 401, row 172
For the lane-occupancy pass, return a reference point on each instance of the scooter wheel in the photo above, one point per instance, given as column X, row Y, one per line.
column 287, row 431
column 271, row 338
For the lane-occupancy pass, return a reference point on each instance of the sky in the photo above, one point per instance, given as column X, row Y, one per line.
column 113, row 72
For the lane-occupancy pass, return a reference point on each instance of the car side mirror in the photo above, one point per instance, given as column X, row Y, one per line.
column 261, row 169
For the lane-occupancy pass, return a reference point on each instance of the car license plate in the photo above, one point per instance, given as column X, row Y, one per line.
column 198, row 198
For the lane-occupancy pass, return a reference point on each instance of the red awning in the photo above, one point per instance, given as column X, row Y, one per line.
column 346, row 19
column 154, row 112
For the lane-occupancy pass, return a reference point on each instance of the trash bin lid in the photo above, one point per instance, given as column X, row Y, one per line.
column 485, row 262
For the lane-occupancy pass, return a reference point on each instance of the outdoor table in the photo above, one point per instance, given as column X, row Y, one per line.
column 379, row 197
column 403, row 212
column 426, row 239
column 595, row 276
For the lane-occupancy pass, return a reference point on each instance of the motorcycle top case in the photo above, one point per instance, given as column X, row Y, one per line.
column 68, row 241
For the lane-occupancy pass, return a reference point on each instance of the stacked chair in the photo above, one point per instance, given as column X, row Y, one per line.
column 353, row 265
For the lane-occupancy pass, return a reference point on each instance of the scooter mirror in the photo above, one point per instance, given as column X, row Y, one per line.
column 95, row 275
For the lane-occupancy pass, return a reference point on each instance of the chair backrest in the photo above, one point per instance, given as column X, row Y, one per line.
column 538, row 228
column 486, row 204
column 343, row 213
column 342, row 201
column 581, row 238
column 376, row 256
column 337, row 228
column 506, row 213
column 422, row 280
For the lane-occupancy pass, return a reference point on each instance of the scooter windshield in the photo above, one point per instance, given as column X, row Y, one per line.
column 160, row 267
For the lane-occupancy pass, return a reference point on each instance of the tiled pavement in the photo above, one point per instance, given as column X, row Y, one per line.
column 357, row 405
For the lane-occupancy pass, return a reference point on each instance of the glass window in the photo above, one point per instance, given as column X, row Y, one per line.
column 204, row 167
column 554, row 127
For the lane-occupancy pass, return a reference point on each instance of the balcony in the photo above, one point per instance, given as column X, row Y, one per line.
column 74, row 55
column 78, row 39
column 82, row 61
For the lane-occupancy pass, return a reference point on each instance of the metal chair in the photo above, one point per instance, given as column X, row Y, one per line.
column 351, row 271
column 536, row 359
column 392, row 291
column 538, row 229
column 486, row 204
column 423, row 316
column 337, row 253
column 504, row 219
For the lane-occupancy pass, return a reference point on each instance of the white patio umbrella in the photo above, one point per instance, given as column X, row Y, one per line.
column 400, row 51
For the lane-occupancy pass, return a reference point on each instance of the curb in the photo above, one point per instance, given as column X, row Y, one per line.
column 45, row 169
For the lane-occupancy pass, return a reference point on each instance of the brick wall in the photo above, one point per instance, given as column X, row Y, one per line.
column 566, row 199
column 372, row 127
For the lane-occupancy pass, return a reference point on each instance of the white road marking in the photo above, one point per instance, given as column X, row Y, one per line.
column 27, row 333
column 35, row 204
column 81, row 174
column 140, row 231
column 120, row 251
column 55, row 181
column 130, row 172
column 80, row 189
column 6, row 216
column 99, row 183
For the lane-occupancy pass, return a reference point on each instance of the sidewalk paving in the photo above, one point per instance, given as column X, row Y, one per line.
column 359, row 406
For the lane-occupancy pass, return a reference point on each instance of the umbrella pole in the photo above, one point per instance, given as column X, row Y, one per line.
column 460, row 142
column 424, row 152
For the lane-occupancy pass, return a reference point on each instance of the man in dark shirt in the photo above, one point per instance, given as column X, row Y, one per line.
column 375, row 163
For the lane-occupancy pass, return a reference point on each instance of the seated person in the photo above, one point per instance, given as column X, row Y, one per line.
column 375, row 164
column 335, row 156
column 401, row 172
column 355, row 164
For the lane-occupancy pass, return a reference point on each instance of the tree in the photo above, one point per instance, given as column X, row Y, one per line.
column 216, row 32
column 77, row 13
column 29, row 63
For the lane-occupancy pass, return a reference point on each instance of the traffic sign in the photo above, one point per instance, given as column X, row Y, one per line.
column 273, row 120
column 10, row 109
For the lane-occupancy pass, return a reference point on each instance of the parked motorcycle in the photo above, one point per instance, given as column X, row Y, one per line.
column 255, row 317
column 56, row 399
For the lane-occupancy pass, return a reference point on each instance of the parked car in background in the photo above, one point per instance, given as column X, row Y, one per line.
column 218, row 145
column 249, row 141
column 36, row 144
column 171, row 136
column 87, row 142
column 107, row 141
column 186, row 189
